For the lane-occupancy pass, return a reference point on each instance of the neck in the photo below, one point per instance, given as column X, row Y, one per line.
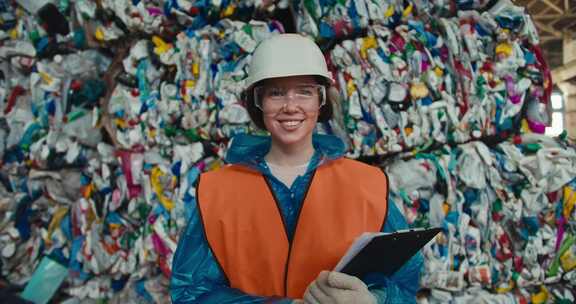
column 293, row 155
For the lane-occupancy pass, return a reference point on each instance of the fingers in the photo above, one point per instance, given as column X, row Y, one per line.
column 309, row 297
column 320, row 294
column 343, row 281
column 318, row 291
column 322, row 278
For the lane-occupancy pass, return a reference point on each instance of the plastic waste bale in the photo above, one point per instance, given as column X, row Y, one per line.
column 50, row 126
column 425, row 81
column 113, row 20
column 187, row 90
column 332, row 20
column 507, row 210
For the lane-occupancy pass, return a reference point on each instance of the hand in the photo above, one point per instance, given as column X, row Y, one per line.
column 331, row 287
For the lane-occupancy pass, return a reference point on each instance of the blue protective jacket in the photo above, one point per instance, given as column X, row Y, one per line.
column 197, row 277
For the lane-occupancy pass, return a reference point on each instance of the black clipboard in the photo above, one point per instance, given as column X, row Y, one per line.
column 385, row 252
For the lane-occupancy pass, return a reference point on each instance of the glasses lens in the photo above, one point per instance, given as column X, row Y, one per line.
column 309, row 97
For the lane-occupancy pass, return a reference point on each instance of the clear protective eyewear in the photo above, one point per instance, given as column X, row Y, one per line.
column 309, row 97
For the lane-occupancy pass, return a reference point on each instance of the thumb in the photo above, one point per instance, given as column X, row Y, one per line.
column 343, row 281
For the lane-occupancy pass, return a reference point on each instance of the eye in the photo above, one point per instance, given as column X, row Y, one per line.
column 306, row 91
column 274, row 92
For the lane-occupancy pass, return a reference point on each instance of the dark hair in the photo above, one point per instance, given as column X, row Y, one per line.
column 256, row 114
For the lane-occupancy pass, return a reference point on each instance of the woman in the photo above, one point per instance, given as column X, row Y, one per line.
column 270, row 226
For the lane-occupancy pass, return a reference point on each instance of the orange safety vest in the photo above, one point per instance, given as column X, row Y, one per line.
column 246, row 233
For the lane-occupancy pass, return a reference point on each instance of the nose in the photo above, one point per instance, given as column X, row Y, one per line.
column 290, row 105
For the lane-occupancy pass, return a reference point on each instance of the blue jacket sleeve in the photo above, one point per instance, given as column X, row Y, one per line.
column 197, row 276
column 402, row 286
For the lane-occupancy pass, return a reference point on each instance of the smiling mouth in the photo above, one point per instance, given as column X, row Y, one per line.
column 290, row 124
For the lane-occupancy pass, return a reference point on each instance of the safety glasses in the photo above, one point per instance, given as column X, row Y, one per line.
column 309, row 97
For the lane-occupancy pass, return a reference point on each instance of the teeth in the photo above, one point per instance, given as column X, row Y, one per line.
column 291, row 123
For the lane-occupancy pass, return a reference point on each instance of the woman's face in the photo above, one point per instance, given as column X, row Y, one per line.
column 290, row 107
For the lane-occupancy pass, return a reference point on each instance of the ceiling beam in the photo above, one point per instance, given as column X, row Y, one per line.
column 544, row 40
column 546, row 10
column 553, row 16
column 552, row 23
column 564, row 73
column 549, row 29
column 531, row 3
column 567, row 88
column 553, row 6
column 569, row 25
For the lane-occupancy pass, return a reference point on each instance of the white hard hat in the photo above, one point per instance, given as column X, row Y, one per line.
column 287, row 55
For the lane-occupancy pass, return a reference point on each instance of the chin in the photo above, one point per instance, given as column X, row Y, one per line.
column 292, row 139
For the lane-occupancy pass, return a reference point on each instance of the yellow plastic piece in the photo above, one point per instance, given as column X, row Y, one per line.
column 156, row 174
column 196, row 69
column 90, row 216
column 120, row 123
column 215, row 165
column 370, row 42
column 525, row 127
column 569, row 201
column 152, row 133
column 190, row 83
column 161, row 47
column 446, row 207
column 419, row 90
column 367, row 43
column 408, row 11
column 14, row 34
column 55, row 222
column 507, row 288
column 350, row 87
column 99, row 35
column 390, row 11
column 541, row 297
column 439, row 72
column 46, row 78
column 504, row 48
column 229, row 11
column 568, row 260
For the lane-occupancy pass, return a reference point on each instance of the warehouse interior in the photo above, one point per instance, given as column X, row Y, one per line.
column 556, row 23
